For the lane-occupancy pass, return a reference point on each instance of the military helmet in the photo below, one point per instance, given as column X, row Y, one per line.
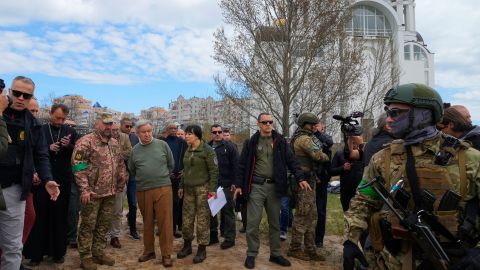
column 417, row 95
column 307, row 118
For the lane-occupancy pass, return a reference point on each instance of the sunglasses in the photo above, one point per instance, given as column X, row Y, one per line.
column 266, row 122
column 17, row 94
column 128, row 126
column 217, row 132
column 395, row 112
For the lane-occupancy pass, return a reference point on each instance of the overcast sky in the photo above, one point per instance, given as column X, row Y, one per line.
column 133, row 55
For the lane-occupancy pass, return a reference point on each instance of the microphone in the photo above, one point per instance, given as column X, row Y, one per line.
column 338, row 117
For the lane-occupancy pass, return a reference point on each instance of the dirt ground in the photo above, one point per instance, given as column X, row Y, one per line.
column 233, row 258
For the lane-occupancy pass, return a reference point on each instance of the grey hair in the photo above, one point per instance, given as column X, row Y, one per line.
column 140, row 124
column 24, row 80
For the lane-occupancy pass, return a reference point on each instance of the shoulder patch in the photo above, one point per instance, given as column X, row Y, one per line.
column 79, row 155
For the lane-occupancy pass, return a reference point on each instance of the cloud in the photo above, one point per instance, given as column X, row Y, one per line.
column 110, row 41
column 189, row 13
column 103, row 54
column 452, row 32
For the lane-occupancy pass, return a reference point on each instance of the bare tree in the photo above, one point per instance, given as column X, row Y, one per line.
column 286, row 56
column 382, row 72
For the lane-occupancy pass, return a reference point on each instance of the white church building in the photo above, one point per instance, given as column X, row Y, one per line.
column 374, row 19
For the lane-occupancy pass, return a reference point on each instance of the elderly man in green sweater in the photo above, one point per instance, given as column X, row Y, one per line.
column 151, row 163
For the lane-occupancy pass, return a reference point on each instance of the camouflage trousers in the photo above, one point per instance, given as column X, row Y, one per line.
column 305, row 220
column 195, row 204
column 96, row 218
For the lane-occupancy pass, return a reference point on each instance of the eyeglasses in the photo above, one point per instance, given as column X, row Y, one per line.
column 267, row 122
column 128, row 126
column 395, row 112
column 17, row 94
column 217, row 132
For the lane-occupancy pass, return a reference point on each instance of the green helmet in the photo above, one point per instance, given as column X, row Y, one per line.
column 307, row 118
column 417, row 95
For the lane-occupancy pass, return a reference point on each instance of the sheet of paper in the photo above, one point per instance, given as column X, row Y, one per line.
column 217, row 204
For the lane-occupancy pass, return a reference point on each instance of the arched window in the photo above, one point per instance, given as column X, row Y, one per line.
column 368, row 21
column 420, row 55
column 406, row 52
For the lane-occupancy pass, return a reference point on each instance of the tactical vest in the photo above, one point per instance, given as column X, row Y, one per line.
column 432, row 177
column 306, row 162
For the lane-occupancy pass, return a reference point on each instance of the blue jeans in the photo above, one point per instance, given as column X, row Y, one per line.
column 285, row 214
column 321, row 201
column 132, row 203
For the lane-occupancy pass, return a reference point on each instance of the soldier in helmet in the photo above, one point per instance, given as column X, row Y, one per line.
column 412, row 112
column 305, row 220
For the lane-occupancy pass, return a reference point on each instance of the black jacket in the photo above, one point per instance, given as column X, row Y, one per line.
column 177, row 144
column 348, row 179
column 375, row 145
column 227, row 157
column 35, row 149
column 283, row 157
column 473, row 136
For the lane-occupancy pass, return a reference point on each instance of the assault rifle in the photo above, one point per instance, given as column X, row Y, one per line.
column 419, row 226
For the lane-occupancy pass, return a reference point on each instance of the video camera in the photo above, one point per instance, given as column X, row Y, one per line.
column 350, row 126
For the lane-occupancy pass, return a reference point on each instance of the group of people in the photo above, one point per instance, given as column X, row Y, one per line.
column 54, row 182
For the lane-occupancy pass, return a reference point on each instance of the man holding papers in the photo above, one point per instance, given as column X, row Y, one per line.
column 227, row 157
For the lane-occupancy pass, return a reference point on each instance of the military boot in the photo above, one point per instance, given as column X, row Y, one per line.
column 104, row 259
column 314, row 256
column 186, row 249
column 88, row 264
column 201, row 254
column 299, row 254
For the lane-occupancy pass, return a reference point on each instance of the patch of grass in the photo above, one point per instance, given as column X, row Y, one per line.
column 334, row 222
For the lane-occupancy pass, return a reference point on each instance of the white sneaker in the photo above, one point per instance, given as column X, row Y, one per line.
column 283, row 236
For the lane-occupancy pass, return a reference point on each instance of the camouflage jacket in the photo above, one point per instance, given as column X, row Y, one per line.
column 306, row 151
column 98, row 165
column 125, row 146
column 363, row 206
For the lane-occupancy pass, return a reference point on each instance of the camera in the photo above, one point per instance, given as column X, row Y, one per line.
column 2, row 86
column 350, row 126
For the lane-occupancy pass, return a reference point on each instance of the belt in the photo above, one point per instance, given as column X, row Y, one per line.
column 262, row 180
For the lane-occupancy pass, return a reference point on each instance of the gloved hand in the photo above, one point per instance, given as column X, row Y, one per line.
column 350, row 253
column 471, row 260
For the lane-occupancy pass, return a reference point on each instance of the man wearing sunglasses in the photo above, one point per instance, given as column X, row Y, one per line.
column 262, row 179
column 27, row 152
column 227, row 157
column 412, row 111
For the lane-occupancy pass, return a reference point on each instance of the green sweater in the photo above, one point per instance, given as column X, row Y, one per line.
column 200, row 167
column 151, row 164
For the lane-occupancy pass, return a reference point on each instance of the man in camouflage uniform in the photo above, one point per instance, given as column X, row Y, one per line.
column 412, row 110
column 305, row 220
column 100, row 173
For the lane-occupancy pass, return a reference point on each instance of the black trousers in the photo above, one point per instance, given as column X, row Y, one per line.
column 49, row 233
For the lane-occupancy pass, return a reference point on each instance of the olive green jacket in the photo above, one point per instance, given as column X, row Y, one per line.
column 200, row 167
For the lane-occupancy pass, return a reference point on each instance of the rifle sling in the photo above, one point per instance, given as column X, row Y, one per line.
column 413, row 179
